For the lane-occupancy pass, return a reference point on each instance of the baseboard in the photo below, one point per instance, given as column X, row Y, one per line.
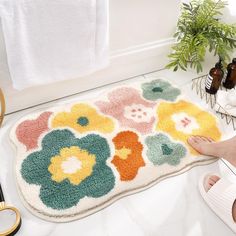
column 142, row 48
column 124, row 63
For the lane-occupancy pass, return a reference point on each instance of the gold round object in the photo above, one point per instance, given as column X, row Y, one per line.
column 17, row 223
column 3, row 107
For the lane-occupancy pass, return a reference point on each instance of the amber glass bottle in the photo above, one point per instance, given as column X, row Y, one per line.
column 230, row 80
column 214, row 78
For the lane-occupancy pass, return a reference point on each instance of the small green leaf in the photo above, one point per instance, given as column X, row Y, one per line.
column 176, row 68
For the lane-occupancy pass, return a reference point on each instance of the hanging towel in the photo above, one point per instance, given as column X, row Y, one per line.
column 53, row 40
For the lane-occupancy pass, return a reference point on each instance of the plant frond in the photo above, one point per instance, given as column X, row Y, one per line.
column 199, row 28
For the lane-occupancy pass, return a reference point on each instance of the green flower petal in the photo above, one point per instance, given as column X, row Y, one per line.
column 57, row 139
column 162, row 150
column 104, row 179
column 160, row 89
column 64, row 195
column 96, row 145
column 60, row 196
column 34, row 170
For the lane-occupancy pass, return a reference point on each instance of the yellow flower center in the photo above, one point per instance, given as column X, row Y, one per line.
column 73, row 164
column 123, row 152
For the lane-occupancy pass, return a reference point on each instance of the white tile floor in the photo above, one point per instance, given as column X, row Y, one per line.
column 172, row 207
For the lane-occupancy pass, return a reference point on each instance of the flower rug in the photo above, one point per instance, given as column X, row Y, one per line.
column 76, row 159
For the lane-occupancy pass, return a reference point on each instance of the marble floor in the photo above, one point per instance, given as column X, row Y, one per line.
column 172, row 207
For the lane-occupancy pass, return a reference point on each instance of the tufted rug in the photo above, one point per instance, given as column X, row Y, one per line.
column 76, row 159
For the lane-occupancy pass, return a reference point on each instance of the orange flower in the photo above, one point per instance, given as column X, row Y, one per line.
column 128, row 155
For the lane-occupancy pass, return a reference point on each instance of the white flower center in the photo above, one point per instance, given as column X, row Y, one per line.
column 184, row 122
column 71, row 165
column 138, row 113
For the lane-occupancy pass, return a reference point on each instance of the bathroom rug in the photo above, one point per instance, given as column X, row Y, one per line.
column 75, row 159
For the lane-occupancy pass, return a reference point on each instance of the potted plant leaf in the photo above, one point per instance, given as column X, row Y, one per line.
column 200, row 29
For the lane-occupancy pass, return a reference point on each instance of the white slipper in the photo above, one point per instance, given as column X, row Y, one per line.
column 220, row 198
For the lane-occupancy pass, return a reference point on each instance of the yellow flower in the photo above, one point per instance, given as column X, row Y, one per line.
column 73, row 164
column 83, row 118
column 183, row 119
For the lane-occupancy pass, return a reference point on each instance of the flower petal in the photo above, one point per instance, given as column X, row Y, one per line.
column 160, row 89
column 162, row 150
column 34, row 168
column 101, row 182
column 60, row 196
column 29, row 131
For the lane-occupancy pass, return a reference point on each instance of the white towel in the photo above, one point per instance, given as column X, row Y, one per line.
column 222, row 102
column 53, row 40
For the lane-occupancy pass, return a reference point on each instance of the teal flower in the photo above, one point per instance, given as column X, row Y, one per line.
column 162, row 150
column 159, row 89
column 68, row 168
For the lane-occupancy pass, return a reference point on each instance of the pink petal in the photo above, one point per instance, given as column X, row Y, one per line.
column 29, row 131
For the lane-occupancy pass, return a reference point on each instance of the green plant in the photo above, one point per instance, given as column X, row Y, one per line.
column 199, row 29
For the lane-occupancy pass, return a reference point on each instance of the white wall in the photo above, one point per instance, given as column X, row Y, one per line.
column 140, row 38
column 137, row 22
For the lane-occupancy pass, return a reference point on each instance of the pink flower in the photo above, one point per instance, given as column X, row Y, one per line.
column 29, row 131
column 128, row 107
